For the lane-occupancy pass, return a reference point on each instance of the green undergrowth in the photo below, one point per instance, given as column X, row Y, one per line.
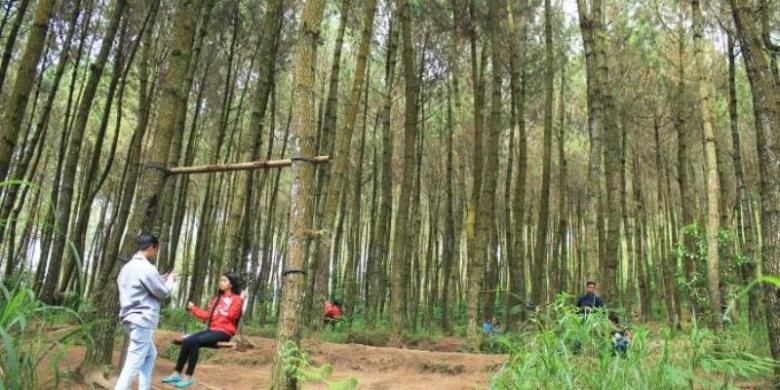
column 566, row 350
column 297, row 364
column 34, row 338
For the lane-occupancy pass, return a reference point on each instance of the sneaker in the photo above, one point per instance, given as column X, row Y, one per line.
column 171, row 379
column 184, row 384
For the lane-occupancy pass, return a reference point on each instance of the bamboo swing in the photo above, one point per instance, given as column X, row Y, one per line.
column 242, row 343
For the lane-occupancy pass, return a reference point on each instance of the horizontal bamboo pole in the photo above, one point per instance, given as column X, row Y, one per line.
column 244, row 166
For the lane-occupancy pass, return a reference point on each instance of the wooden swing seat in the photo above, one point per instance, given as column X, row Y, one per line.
column 220, row 345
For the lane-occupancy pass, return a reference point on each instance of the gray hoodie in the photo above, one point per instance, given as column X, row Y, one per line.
column 140, row 291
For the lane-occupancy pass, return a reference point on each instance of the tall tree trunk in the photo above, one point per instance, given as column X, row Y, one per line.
column 509, row 231
column 26, row 74
column 10, row 42
column 400, row 265
column 267, row 241
column 540, row 255
column 42, row 125
column 517, row 77
column 588, row 27
column 64, row 203
column 355, row 252
column 92, row 182
column 153, row 178
column 485, row 222
column 301, row 195
column 668, row 266
column 612, row 161
column 640, row 229
column 450, row 252
column 377, row 278
column 765, row 89
column 472, row 206
column 628, row 223
column 249, row 148
column 325, row 142
column 339, row 169
column 711, row 160
column 169, row 232
column 684, row 178
column 745, row 225
column 563, row 228
column 207, row 247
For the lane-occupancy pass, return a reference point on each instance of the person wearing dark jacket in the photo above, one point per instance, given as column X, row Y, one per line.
column 222, row 316
column 589, row 301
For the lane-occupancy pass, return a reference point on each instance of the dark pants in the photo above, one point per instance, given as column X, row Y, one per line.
column 191, row 345
column 330, row 321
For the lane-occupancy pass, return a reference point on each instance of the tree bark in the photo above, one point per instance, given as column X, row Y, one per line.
column 540, row 255
column 340, row 166
column 450, row 252
column 745, row 226
column 562, row 278
column 10, row 42
column 590, row 29
column 400, row 265
column 147, row 195
column 42, row 125
column 26, row 74
column 713, row 180
column 517, row 298
column 378, row 274
column 301, row 195
column 64, row 203
column 484, row 217
column 766, row 100
column 640, row 228
column 249, row 147
column 325, row 142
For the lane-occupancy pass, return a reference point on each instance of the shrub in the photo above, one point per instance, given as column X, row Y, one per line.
column 27, row 338
column 569, row 351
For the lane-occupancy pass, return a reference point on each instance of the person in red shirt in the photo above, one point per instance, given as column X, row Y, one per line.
column 332, row 313
column 222, row 316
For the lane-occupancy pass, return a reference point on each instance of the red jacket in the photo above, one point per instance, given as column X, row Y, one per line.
column 225, row 316
column 332, row 311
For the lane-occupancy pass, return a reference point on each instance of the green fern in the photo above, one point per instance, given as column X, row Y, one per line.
column 296, row 363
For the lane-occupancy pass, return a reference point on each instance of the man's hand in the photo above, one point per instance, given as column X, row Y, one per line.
column 190, row 305
column 169, row 276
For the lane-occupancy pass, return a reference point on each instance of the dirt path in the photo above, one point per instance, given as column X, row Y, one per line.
column 373, row 367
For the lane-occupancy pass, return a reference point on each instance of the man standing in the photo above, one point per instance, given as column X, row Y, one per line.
column 589, row 301
column 141, row 288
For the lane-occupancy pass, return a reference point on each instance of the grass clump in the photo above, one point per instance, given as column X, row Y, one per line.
column 297, row 364
column 31, row 333
column 567, row 350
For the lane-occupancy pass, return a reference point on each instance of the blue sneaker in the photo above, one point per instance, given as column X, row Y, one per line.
column 171, row 378
column 184, row 384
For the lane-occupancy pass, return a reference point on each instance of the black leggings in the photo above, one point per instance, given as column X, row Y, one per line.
column 191, row 345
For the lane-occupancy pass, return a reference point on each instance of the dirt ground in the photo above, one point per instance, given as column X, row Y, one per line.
column 373, row 367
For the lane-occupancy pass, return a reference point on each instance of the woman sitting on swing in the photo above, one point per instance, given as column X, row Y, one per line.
column 222, row 322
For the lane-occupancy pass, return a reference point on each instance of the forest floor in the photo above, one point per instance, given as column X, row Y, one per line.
column 439, row 366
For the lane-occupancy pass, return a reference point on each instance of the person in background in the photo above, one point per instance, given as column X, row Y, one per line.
column 222, row 316
column 621, row 336
column 487, row 326
column 589, row 301
column 332, row 313
column 141, row 288
column 496, row 325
